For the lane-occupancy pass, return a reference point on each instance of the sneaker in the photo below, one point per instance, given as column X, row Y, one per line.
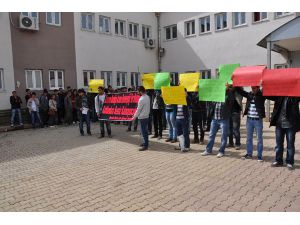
column 237, row 147
column 144, row 148
column 247, row 157
column 168, row 140
column 290, row 166
column 205, row 153
column 259, row 159
column 276, row 164
column 220, row 155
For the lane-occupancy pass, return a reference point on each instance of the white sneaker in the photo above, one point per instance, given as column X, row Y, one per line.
column 220, row 155
column 205, row 153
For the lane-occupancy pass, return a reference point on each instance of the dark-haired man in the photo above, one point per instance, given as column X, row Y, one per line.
column 82, row 107
column 15, row 102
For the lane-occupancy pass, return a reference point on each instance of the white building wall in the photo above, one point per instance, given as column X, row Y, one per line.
column 108, row 52
column 6, row 61
column 208, row 51
column 295, row 56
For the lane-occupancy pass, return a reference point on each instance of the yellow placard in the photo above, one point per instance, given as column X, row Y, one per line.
column 190, row 81
column 94, row 84
column 174, row 95
column 148, row 80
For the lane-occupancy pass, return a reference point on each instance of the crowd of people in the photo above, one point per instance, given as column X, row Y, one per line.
column 76, row 106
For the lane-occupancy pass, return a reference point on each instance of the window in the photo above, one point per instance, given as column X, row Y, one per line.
column 205, row 74
column 189, row 28
column 280, row 66
column 146, row 32
column 133, row 30
column 87, row 21
column 53, row 18
column 239, row 19
column 134, row 79
column 34, row 79
column 171, row 32
column 174, row 78
column 87, row 76
column 121, row 79
column 281, row 14
column 31, row 14
column 1, row 80
column 221, row 21
column 107, row 77
column 260, row 16
column 56, row 79
column 104, row 24
column 120, row 28
column 204, row 24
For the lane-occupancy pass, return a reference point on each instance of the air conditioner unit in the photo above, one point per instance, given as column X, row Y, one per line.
column 149, row 43
column 29, row 23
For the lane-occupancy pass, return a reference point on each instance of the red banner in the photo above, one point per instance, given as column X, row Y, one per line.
column 248, row 76
column 281, row 82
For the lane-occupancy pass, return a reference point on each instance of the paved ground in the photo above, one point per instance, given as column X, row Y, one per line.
column 58, row 170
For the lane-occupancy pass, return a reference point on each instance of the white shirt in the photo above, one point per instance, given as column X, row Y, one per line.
column 33, row 106
column 143, row 109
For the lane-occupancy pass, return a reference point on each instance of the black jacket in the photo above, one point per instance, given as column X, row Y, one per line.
column 226, row 112
column 197, row 105
column 292, row 111
column 15, row 102
column 259, row 100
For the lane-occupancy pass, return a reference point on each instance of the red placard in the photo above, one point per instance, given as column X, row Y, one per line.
column 248, row 76
column 281, row 82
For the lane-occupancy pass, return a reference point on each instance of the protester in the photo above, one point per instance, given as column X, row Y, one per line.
column 286, row 119
column 182, row 123
column 157, row 112
column 142, row 113
column 235, row 121
column 198, row 118
column 99, row 101
column 150, row 94
column 68, row 108
column 110, row 89
column 74, row 110
column 171, row 120
column 60, row 105
column 28, row 95
column 52, row 111
column 255, row 111
column 15, row 102
column 83, row 109
column 44, row 107
column 33, row 106
column 220, row 113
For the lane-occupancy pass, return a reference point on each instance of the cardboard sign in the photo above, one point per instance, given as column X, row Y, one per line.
column 248, row 76
column 226, row 71
column 148, row 80
column 212, row 90
column 120, row 106
column 161, row 80
column 190, row 81
column 281, row 82
column 174, row 95
column 94, row 84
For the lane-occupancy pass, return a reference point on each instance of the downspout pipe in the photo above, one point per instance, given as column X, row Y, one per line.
column 158, row 41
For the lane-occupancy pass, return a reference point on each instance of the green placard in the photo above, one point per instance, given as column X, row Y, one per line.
column 161, row 80
column 212, row 90
column 226, row 71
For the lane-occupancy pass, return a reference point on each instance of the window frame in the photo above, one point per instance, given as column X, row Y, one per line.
column 205, row 24
column 53, row 24
column 205, row 72
column 146, row 27
column 133, row 25
column 261, row 20
column 88, row 77
column 135, row 75
column 222, row 21
column 121, row 73
column 56, row 79
column 104, row 75
column 171, row 27
column 30, row 15
column 240, row 20
column 34, row 79
column 186, row 24
column 93, row 21
column 2, row 88
column 284, row 14
column 109, row 24
column 281, row 66
column 119, row 21
column 175, row 78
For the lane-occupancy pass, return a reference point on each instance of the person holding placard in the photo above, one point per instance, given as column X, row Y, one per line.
column 286, row 119
column 157, row 112
column 82, row 106
column 220, row 113
column 255, row 111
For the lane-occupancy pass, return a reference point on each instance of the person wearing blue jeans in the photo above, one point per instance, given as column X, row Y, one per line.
column 171, row 120
column 85, row 118
column 257, row 124
column 144, row 131
column 15, row 102
column 83, row 108
column 182, row 126
column 33, row 105
column 220, row 113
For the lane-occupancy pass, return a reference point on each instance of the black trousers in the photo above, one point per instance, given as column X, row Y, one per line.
column 198, row 121
column 44, row 116
column 158, row 121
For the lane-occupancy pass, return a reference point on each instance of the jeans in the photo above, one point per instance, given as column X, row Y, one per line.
column 182, row 129
column 290, row 139
column 144, row 131
column 198, row 120
column 171, row 119
column 85, row 118
column 135, row 124
column 108, row 127
column 258, row 126
column 234, row 129
column 13, row 115
column 158, row 121
column 150, row 122
column 214, row 127
column 34, row 115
